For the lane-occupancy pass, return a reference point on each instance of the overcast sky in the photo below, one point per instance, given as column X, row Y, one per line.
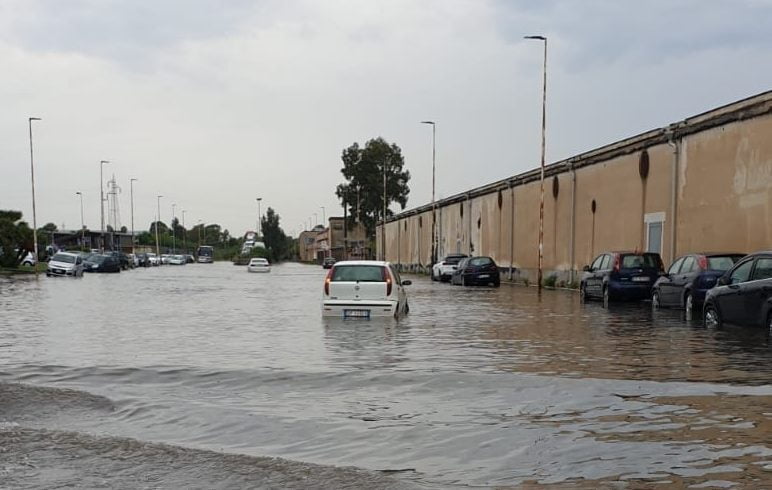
column 212, row 104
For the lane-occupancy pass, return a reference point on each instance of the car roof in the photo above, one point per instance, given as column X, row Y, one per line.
column 362, row 262
column 73, row 254
column 628, row 252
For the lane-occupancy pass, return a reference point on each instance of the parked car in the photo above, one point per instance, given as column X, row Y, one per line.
column 142, row 260
column 258, row 264
column 476, row 271
column 364, row 289
column 122, row 258
column 103, row 263
column 177, row 260
column 29, row 259
column 686, row 281
column 165, row 258
column 743, row 295
column 153, row 259
column 328, row 262
column 443, row 270
column 189, row 259
column 65, row 264
column 615, row 276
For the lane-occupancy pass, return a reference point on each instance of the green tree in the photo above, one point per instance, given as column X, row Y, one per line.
column 15, row 238
column 162, row 228
column 273, row 236
column 363, row 170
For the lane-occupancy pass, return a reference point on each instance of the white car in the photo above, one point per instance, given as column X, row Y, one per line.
column 364, row 289
column 65, row 264
column 177, row 260
column 152, row 259
column 29, row 259
column 443, row 270
column 258, row 265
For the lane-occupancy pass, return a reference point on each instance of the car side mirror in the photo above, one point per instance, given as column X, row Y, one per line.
column 723, row 280
column 407, row 282
column 586, row 268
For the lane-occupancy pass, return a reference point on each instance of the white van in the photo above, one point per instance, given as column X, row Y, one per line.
column 364, row 289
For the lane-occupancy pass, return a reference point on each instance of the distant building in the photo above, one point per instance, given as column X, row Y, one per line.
column 321, row 242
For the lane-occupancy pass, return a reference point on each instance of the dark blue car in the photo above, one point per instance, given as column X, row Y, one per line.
column 689, row 278
column 618, row 276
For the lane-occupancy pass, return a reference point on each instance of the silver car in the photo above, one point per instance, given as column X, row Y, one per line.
column 65, row 264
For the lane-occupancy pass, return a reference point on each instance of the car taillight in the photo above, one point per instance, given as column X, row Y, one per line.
column 387, row 279
column 327, row 281
column 616, row 262
column 702, row 261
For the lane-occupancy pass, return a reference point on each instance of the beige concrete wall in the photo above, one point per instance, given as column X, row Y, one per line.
column 725, row 188
column 721, row 178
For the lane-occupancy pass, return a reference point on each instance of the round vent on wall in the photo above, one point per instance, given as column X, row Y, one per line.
column 461, row 209
column 593, row 206
column 420, row 221
column 479, row 221
column 555, row 186
column 500, row 199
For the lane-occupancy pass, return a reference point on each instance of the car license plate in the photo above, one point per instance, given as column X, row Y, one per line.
column 484, row 276
column 641, row 279
column 356, row 313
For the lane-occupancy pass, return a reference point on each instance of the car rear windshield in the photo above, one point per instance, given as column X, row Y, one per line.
column 722, row 263
column 478, row 261
column 640, row 261
column 354, row 273
column 64, row 258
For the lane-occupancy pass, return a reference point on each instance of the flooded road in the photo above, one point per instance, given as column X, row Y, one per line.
column 204, row 375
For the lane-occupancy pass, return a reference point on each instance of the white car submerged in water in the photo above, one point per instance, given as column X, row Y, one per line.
column 364, row 289
column 258, row 265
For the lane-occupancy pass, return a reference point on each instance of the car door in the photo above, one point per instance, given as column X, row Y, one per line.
column 684, row 276
column 602, row 273
column 666, row 285
column 757, row 291
column 591, row 280
column 731, row 301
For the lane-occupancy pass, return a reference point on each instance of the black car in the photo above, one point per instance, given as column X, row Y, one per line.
column 617, row 276
column 443, row 270
column 743, row 295
column 476, row 271
column 143, row 260
column 102, row 263
column 691, row 276
column 328, row 262
column 122, row 258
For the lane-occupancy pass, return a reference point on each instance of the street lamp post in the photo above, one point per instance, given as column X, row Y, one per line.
column 32, row 176
column 158, row 220
column 131, row 185
column 259, row 219
column 383, row 223
column 102, row 202
column 184, row 233
column 543, row 147
column 82, row 225
column 174, row 237
column 200, row 226
column 434, row 209
column 316, row 219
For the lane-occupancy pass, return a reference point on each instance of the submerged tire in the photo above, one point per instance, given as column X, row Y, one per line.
column 712, row 317
column 689, row 307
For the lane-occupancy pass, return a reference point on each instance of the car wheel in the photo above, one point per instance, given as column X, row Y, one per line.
column 463, row 281
column 689, row 306
column 583, row 293
column 606, row 297
column 497, row 284
column 407, row 307
column 655, row 300
column 712, row 317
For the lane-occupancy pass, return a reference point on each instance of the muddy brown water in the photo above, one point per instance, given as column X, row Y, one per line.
column 208, row 376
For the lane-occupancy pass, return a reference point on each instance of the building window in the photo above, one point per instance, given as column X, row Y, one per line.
column 654, row 228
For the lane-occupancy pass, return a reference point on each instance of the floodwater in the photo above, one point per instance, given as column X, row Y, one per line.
column 206, row 376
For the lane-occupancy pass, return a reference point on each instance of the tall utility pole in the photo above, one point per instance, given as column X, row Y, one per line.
column 200, row 227
column 434, row 207
column 259, row 219
column 324, row 216
column 543, row 148
column 131, row 190
column 174, row 237
column 102, row 202
column 184, row 233
column 34, row 211
column 383, row 223
column 158, row 220
column 82, row 225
